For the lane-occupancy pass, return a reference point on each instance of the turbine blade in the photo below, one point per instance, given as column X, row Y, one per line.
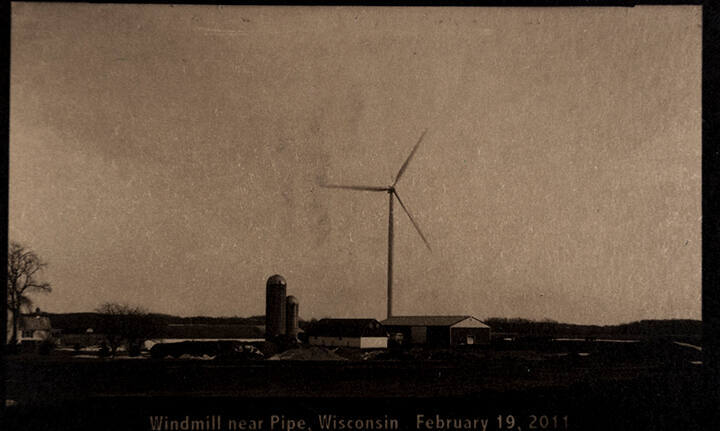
column 363, row 188
column 413, row 221
column 407, row 161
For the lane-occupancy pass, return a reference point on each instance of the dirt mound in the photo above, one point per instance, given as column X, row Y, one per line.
column 312, row 353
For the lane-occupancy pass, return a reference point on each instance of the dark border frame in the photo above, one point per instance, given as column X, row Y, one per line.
column 710, row 154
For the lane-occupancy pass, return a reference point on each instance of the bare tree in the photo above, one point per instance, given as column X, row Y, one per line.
column 123, row 324
column 23, row 268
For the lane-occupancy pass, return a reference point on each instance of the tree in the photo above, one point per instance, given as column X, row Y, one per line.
column 123, row 324
column 23, row 268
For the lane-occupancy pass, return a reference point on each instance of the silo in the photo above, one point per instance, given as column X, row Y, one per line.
column 275, row 306
column 291, row 316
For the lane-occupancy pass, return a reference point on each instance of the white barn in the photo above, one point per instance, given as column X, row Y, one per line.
column 438, row 330
column 359, row 333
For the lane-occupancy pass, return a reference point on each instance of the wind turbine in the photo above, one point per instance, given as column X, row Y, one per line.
column 392, row 193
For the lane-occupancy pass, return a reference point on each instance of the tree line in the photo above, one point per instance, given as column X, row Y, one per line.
column 639, row 329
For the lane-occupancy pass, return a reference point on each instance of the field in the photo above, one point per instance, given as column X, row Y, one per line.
column 599, row 385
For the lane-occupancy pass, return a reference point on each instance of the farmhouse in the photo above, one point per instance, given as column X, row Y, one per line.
column 362, row 333
column 32, row 328
column 437, row 330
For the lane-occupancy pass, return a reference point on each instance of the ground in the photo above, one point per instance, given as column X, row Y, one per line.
column 600, row 385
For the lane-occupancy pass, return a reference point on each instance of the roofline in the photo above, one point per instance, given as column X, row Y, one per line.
column 458, row 318
column 463, row 316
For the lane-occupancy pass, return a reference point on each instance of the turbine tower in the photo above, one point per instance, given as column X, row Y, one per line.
column 392, row 194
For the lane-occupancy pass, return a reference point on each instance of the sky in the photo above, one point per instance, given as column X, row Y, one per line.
column 171, row 157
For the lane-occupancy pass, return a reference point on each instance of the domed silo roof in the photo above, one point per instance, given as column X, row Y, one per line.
column 277, row 279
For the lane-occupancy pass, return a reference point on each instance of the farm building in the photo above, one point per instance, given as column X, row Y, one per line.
column 437, row 330
column 32, row 328
column 176, row 333
column 362, row 333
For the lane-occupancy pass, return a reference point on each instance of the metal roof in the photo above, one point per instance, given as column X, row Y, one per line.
column 425, row 320
column 210, row 331
column 347, row 328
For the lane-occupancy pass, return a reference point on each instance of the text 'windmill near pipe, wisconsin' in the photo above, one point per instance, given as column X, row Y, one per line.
column 392, row 192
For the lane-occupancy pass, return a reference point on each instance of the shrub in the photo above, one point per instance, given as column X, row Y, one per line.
column 104, row 351
column 134, row 349
column 46, row 346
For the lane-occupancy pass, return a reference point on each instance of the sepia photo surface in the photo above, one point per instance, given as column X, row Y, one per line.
column 490, row 204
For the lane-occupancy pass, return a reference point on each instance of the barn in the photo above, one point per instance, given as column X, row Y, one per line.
column 361, row 333
column 437, row 330
column 32, row 328
column 176, row 333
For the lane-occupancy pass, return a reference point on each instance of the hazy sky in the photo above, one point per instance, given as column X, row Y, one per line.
column 170, row 157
